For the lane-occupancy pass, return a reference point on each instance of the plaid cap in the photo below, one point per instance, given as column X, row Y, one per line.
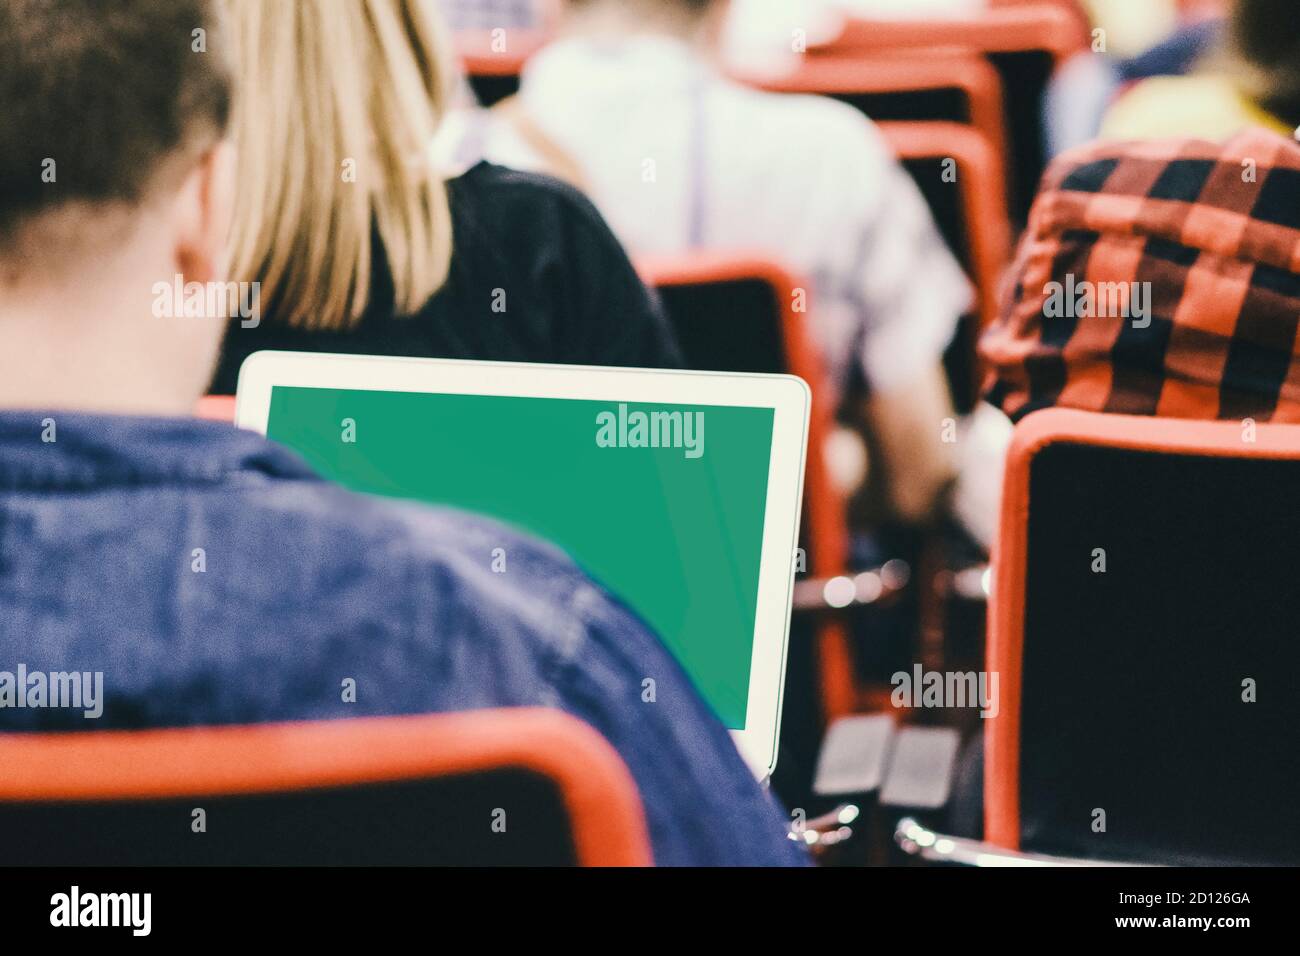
column 1157, row 278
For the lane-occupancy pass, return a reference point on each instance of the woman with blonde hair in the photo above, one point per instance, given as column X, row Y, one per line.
column 359, row 244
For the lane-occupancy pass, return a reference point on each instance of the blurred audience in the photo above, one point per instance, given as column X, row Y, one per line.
column 1086, row 85
column 108, row 506
column 629, row 104
column 1130, row 28
column 1222, row 68
column 1251, row 77
column 385, row 254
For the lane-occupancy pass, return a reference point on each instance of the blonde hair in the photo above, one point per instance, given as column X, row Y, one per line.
column 336, row 105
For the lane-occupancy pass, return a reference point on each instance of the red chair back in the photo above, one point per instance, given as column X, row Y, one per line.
column 494, row 63
column 1143, row 582
column 1001, row 28
column 888, row 85
column 81, row 783
column 1026, row 42
column 986, row 231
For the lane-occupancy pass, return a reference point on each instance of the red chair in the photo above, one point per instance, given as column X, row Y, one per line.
column 1004, row 27
column 736, row 312
column 1191, row 499
column 482, row 54
column 493, row 64
column 374, row 790
column 1025, row 41
column 881, row 84
column 1143, row 584
column 985, row 228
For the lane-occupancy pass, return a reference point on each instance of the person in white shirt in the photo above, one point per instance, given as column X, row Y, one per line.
column 678, row 158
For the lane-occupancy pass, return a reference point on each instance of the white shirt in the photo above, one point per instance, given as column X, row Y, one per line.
column 678, row 157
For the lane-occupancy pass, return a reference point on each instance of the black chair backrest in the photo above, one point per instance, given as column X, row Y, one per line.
column 1025, row 75
column 492, row 89
column 727, row 325
column 1133, row 680
column 493, row 818
column 937, row 104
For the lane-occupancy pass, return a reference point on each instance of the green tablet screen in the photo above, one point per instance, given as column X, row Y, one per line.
column 662, row 504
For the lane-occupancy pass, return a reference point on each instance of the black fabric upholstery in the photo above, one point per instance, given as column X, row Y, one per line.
column 1132, row 693
column 945, row 201
column 442, row 821
column 1025, row 75
column 490, row 90
column 727, row 326
column 940, row 104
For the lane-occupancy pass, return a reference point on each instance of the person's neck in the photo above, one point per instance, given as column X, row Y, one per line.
column 66, row 350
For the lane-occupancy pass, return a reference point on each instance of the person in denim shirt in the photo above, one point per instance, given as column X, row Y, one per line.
column 208, row 573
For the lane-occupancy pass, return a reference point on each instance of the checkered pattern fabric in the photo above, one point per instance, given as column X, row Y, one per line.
column 1158, row 278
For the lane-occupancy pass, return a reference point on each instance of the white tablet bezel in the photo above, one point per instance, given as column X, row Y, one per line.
column 787, row 395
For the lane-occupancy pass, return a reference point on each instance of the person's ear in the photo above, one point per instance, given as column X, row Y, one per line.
column 202, row 212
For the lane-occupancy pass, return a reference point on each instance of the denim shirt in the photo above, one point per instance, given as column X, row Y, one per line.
column 214, row 579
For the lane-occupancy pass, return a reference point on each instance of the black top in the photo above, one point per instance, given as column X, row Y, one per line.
column 570, row 295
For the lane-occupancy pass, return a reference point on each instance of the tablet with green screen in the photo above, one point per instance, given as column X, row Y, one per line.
column 670, row 489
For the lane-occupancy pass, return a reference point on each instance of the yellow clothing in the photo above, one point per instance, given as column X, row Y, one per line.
column 1202, row 106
